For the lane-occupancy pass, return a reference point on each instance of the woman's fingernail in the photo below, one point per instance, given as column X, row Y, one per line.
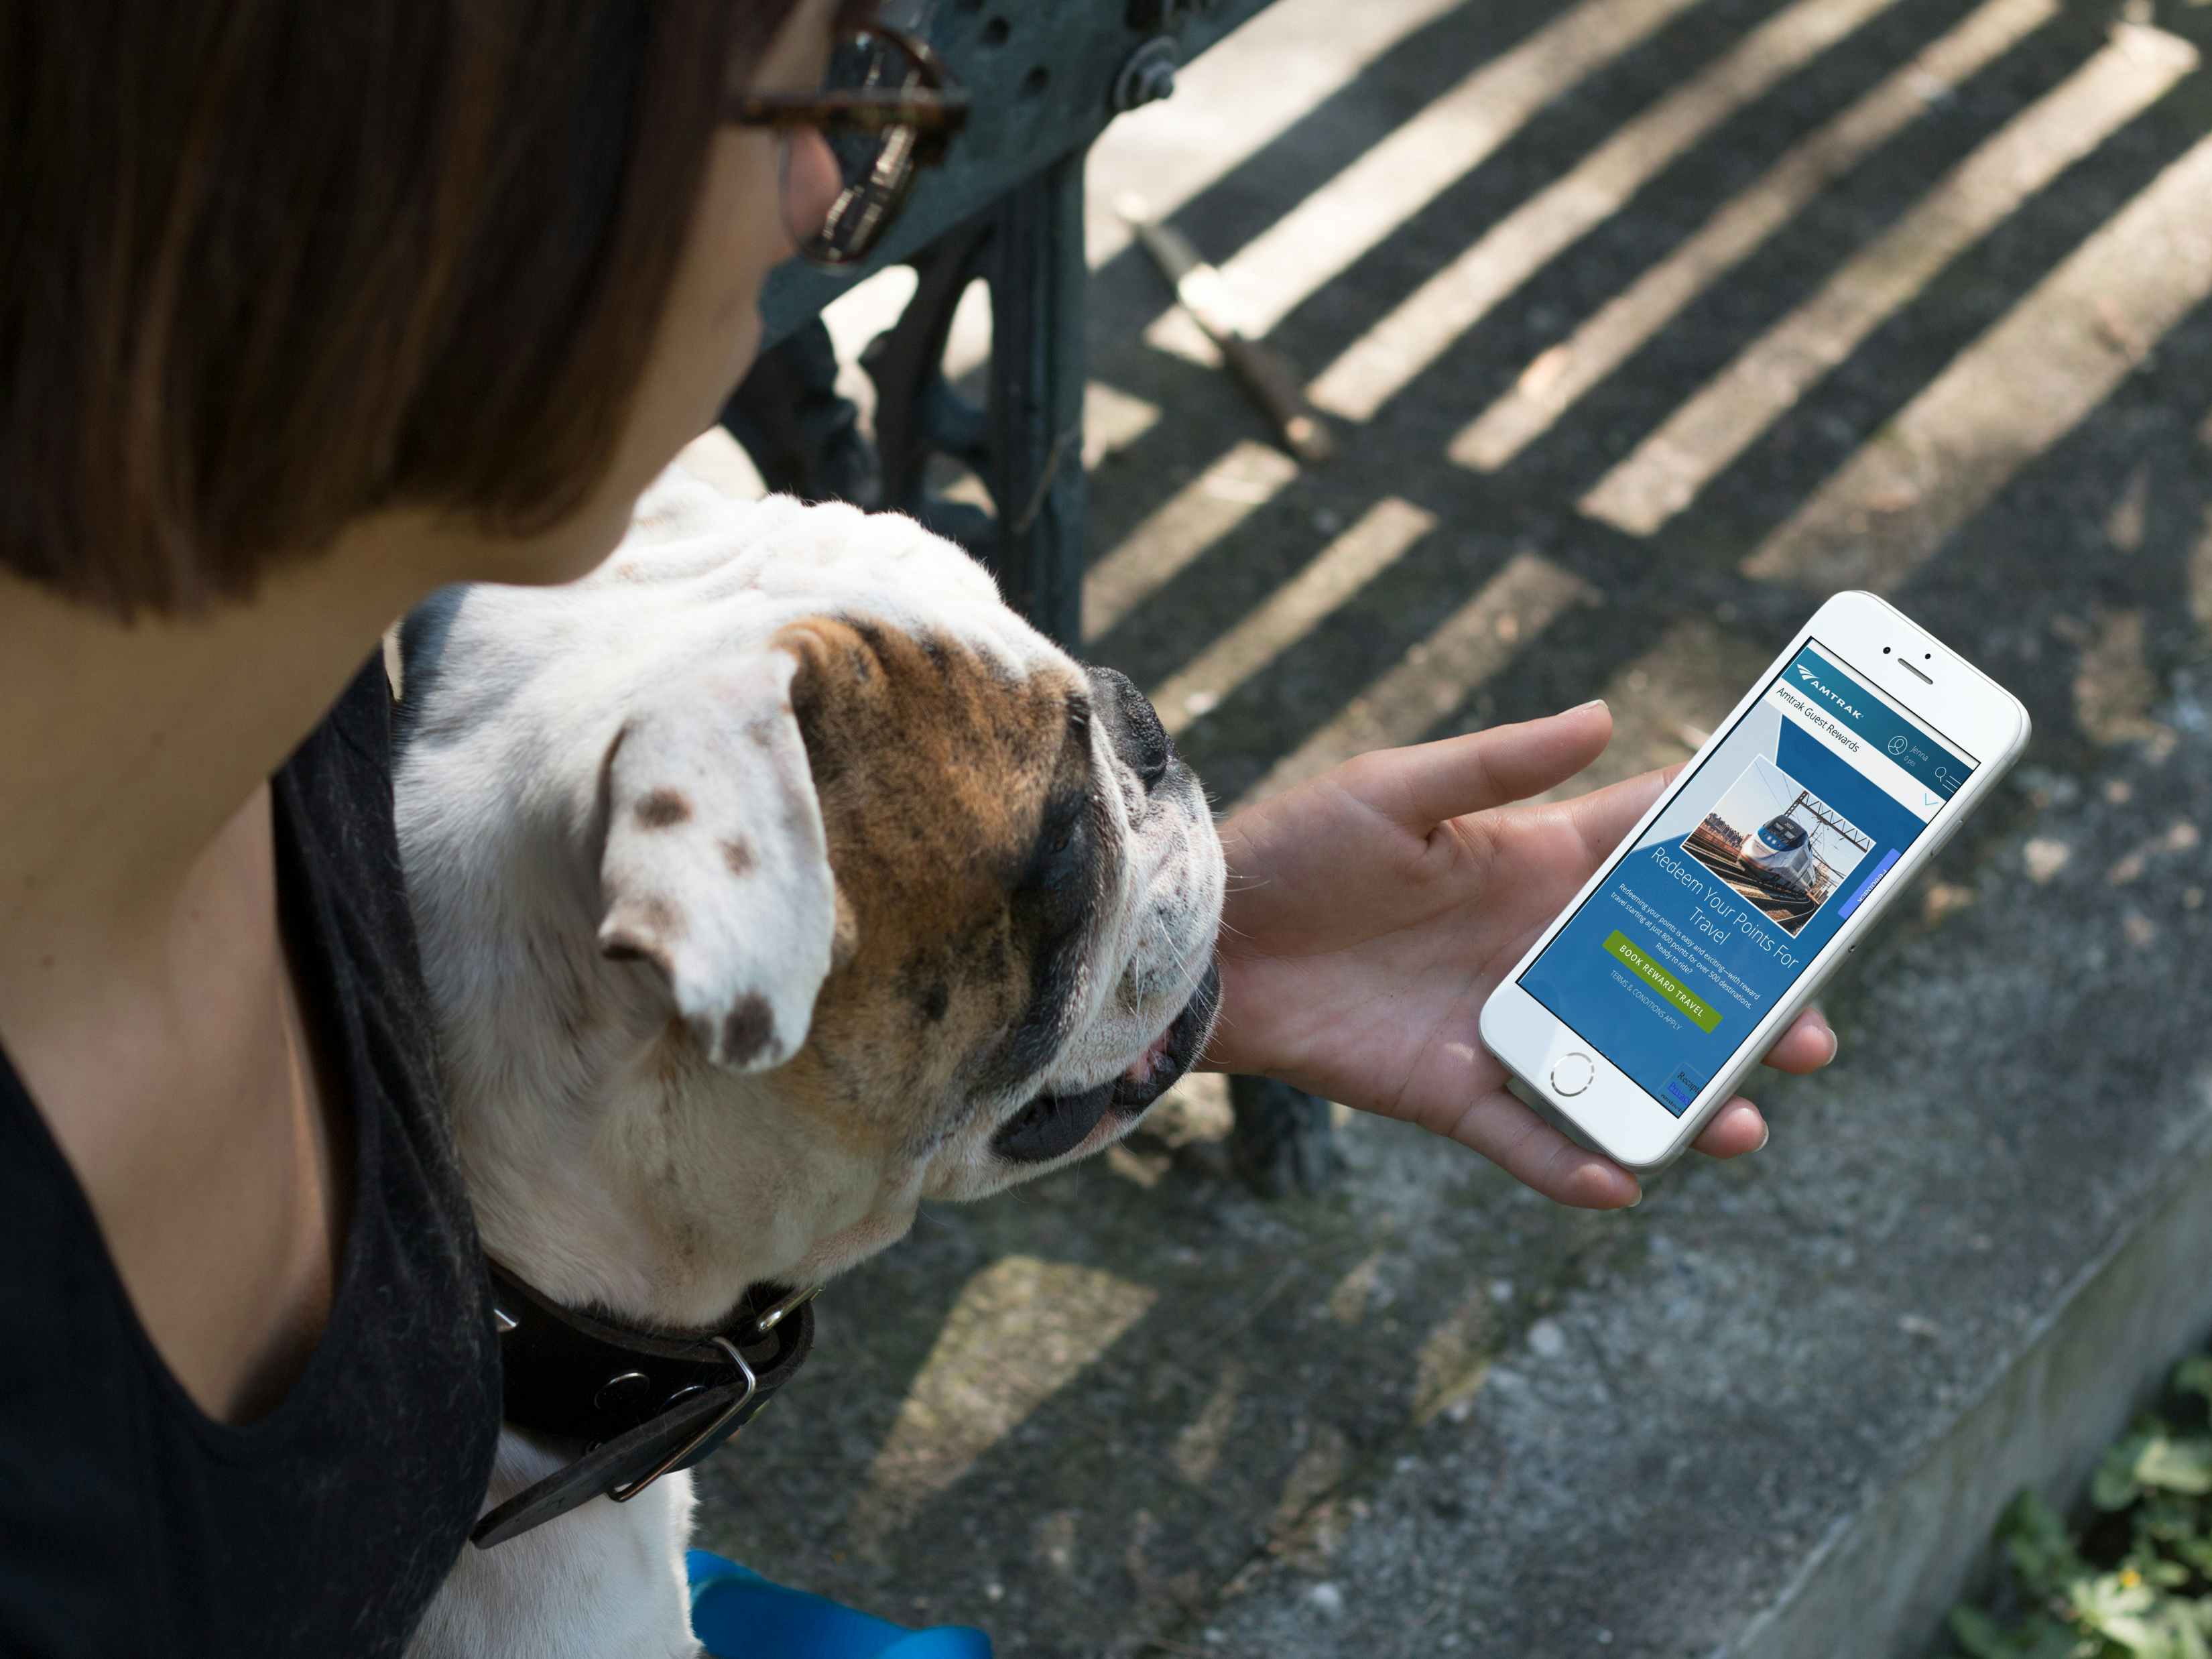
column 1765, row 1135
column 1595, row 702
column 1638, row 1199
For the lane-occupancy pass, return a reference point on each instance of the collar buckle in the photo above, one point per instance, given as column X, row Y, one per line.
column 622, row 1492
column 573, row 1376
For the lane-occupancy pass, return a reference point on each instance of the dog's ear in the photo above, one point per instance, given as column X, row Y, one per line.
column 716, row 868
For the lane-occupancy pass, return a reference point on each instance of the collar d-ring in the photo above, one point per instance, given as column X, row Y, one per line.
column 776, row 1312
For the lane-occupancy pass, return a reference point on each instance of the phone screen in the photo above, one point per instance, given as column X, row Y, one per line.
column 1788, row 827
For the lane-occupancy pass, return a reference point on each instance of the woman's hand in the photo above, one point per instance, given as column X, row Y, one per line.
column 1371, row 911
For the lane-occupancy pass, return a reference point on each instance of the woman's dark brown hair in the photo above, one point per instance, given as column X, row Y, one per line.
column 267, row 265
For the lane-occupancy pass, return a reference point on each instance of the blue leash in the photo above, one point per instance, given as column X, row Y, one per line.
column 738, row 1614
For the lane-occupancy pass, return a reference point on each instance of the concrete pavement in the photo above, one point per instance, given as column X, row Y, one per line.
column 1955, row 260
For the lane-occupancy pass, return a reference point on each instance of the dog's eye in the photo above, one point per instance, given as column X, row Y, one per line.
column 1062, row 825
column 1052, row 895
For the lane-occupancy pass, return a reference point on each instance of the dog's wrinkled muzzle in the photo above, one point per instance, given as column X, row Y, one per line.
column 1052, row 1125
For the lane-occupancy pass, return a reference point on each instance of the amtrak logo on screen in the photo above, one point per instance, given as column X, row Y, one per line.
column 1837, row 698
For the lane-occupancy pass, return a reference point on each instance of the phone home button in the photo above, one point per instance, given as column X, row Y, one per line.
column 1571, row 1073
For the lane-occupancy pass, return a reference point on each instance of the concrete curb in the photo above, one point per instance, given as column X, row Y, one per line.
column 1885, row 1577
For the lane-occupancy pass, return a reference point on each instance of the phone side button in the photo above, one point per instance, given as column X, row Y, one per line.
column 1571, row 1073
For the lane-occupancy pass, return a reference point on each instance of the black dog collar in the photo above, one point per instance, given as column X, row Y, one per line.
column 641, row 1404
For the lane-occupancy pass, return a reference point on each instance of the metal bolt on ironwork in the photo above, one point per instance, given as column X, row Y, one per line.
column 1148, row 76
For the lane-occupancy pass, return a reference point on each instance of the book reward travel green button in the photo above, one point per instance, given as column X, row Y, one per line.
column 1659, row 980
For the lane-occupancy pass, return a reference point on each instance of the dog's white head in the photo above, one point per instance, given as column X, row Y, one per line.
column 773, row 879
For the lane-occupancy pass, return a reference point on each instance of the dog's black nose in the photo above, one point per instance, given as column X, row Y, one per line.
column 1132, row 723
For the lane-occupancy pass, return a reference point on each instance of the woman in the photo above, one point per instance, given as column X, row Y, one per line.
column 305, row 312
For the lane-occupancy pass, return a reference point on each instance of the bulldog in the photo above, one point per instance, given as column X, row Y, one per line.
column 773, row 879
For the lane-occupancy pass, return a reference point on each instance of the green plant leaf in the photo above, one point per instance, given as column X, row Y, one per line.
column 2196, row 1549
column 2116, row 1486
column 2108, row 1598
column 2194, row 1376
column 2141, row 1607
column 2153, row 1460
column 2035, row 1540
column 2173, row 1464
column 2164, row 1574
column 2137, row 1618
column 1979, row 1636
column 2164, row 1516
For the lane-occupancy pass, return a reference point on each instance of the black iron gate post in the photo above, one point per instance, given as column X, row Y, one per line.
column 1038, row 270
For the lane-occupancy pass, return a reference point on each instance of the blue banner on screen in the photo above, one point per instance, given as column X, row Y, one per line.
column 1792, row 822
column 1866, row 886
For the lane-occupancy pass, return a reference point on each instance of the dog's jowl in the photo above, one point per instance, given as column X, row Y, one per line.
column 773, row 879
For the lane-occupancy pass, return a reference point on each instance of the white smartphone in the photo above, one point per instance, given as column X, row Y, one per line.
column 1857, row 754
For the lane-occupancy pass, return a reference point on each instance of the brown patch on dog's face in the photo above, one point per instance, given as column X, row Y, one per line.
column 962, row 827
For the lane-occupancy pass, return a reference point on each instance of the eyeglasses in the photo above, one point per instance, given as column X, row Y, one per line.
column 887, row 109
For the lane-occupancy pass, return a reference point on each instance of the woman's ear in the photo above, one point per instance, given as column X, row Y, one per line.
column 715, row 869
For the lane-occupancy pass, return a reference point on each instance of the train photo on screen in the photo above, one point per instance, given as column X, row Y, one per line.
column 1778, row 845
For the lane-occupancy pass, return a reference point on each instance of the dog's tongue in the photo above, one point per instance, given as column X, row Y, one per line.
column 1169, row 1054
column 1148, row 1062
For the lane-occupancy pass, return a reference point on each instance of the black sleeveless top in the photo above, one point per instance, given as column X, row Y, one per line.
column 132, row 1523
